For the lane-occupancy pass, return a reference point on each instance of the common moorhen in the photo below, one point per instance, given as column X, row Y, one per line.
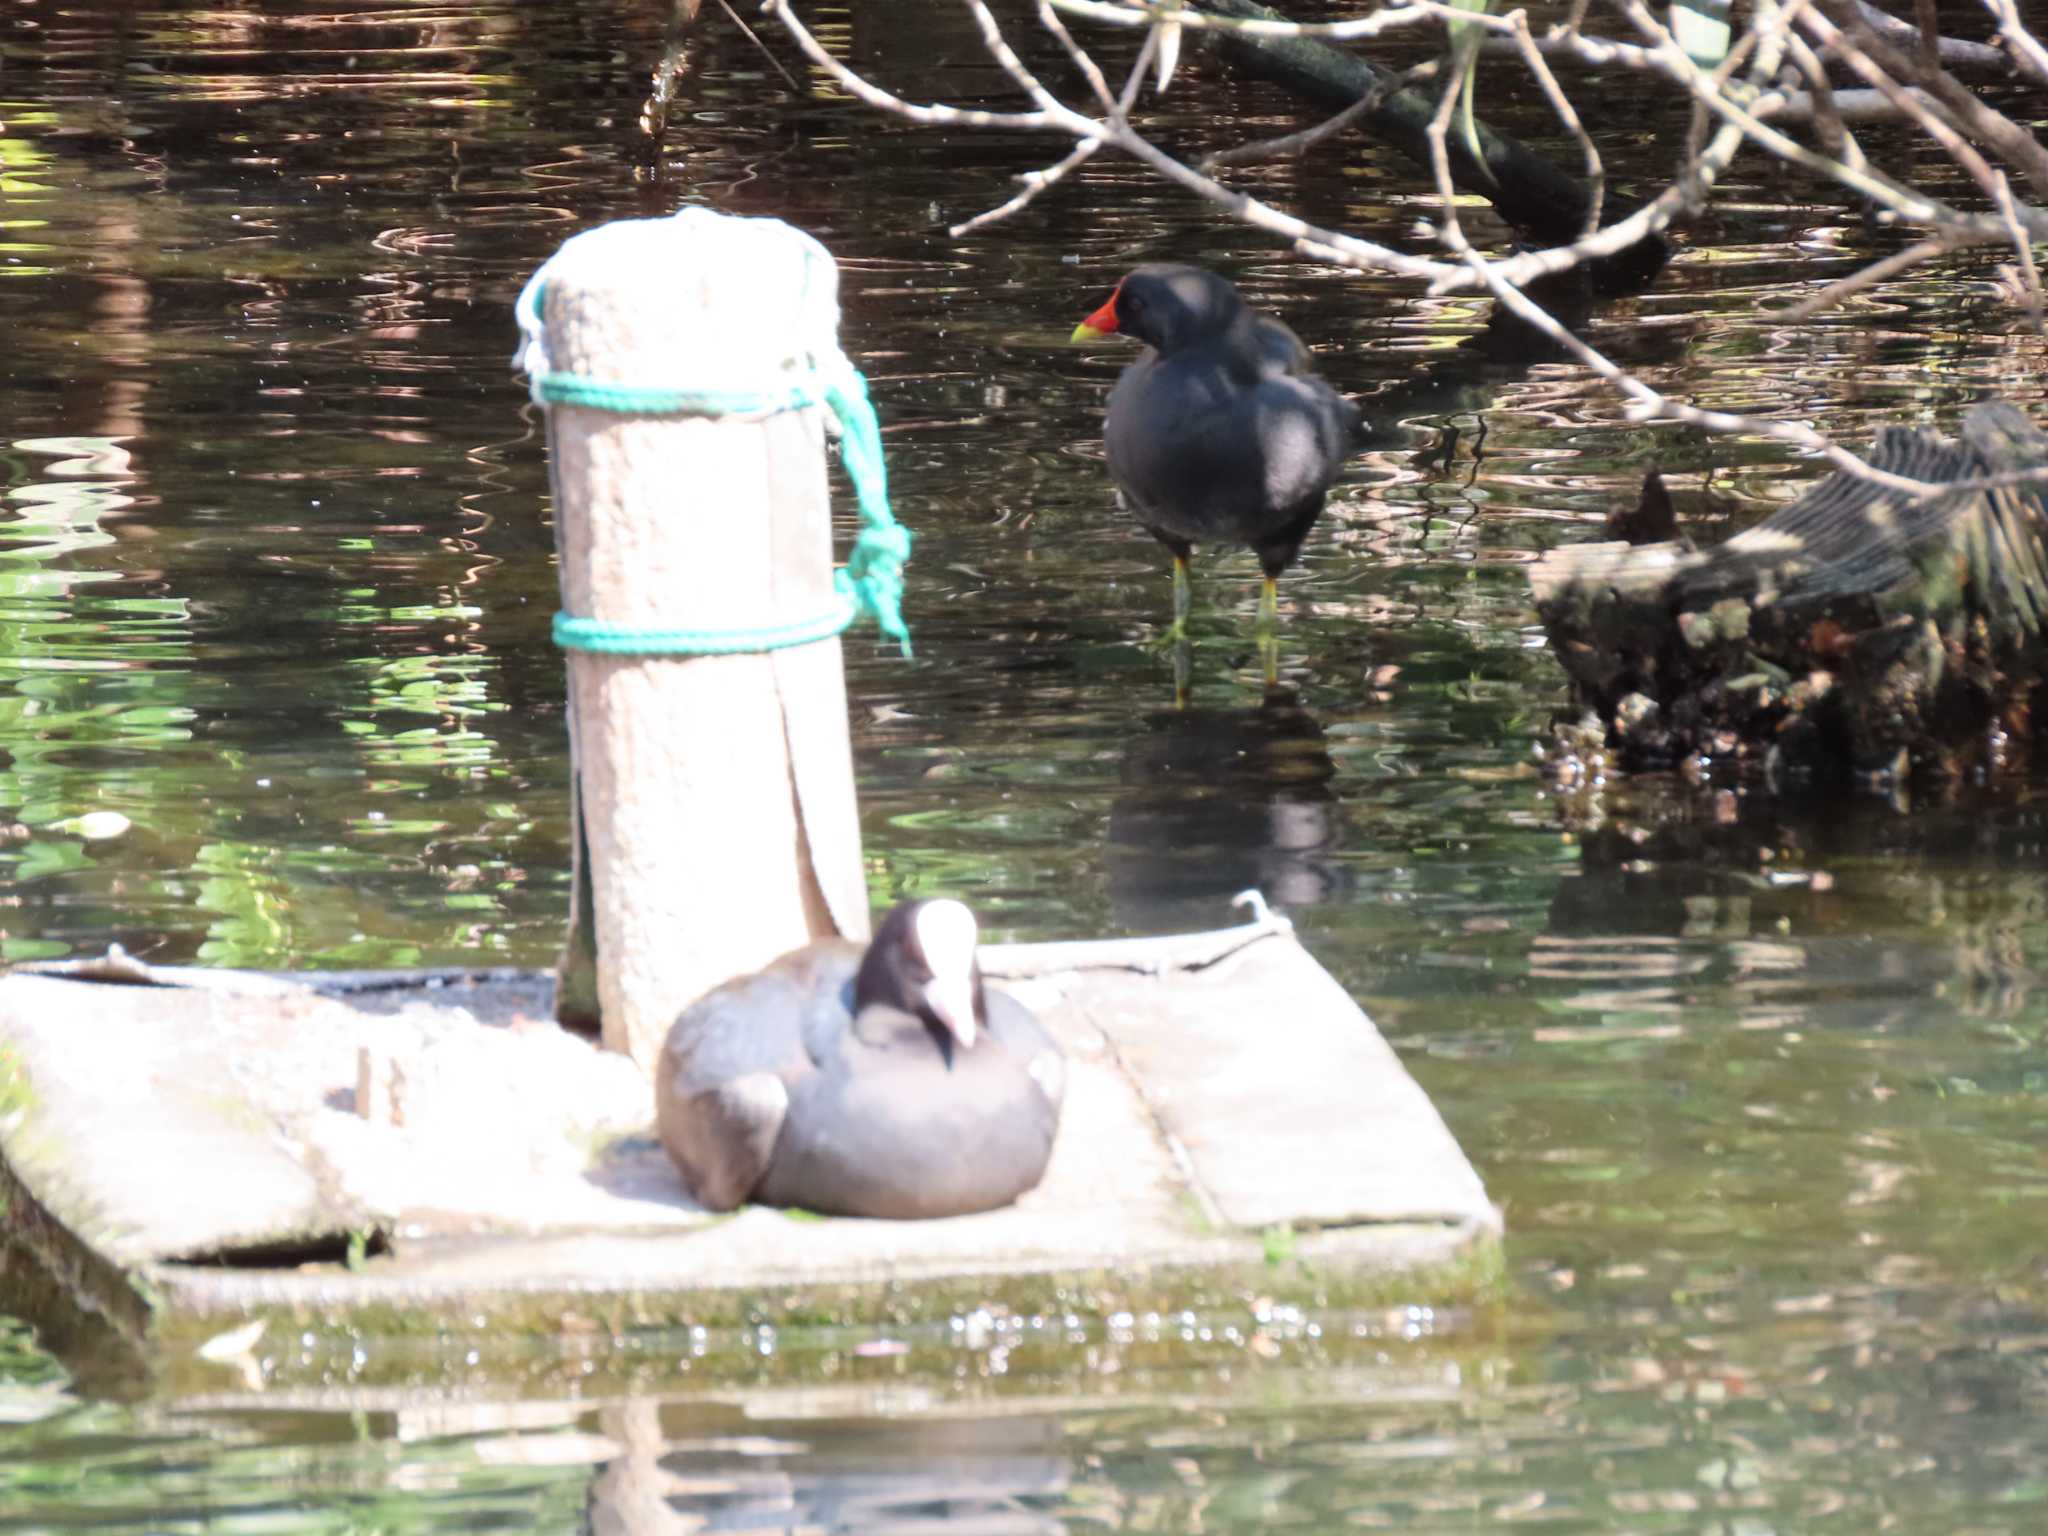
column 885, row 1083
column 1221, row 430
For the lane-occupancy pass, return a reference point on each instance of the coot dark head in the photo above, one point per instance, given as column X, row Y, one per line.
column 888, row 1081
column 1221, row 430
column 922, row 960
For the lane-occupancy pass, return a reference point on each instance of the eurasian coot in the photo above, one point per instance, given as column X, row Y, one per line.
column 1221, row 430
column 888, row 1082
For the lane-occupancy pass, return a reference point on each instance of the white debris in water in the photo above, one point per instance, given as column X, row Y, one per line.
column 94, row 826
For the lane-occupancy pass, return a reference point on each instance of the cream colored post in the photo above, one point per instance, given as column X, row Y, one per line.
column 715, row 792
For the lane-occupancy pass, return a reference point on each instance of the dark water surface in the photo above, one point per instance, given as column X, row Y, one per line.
column 1762, row 1091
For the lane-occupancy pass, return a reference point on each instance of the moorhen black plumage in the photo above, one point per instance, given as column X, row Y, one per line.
column 885, row 1082
column 1221, row 430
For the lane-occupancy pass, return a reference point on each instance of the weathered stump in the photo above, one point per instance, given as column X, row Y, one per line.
column 1862, row 628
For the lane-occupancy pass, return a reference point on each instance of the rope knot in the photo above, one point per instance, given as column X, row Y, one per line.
column 872, row 580
column 890, row 545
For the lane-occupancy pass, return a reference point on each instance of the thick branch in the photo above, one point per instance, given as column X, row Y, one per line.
column 1532, row 194
column 1953, row 52
column 2019, row 147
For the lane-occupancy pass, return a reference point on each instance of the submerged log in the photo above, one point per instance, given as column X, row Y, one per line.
column 1534, row 195
column 1859, row 629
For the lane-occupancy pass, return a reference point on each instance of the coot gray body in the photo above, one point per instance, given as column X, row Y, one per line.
column 880, row 1082
column 1221, row 431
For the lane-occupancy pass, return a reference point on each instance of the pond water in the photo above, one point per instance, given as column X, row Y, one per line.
column 1760, row 1084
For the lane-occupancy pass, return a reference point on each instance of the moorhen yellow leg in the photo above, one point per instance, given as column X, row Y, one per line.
column 1221, row 429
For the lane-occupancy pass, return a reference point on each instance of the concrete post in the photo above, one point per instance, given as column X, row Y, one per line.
column 714, row 792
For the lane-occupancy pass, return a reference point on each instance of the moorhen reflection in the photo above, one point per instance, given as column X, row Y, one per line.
column 1217, row 801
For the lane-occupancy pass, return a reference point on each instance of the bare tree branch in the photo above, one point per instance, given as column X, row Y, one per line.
column 1139, row 13
column 2030, row 277
column 1872, row 53
column 1748, row 100
column 1560, row 104
column 1864, row 278
column 1090, row 71
column 2024, row 53
column 1950, row 51
column 1035, row 182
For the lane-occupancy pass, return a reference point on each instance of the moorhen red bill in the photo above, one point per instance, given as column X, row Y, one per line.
column 886, row 1082
column 1221, row 430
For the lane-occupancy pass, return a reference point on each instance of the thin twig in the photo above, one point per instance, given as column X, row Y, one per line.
column 1409, row 14
column 2030, row 277
column 1951, row 51
column 1600, row 52
column 1867, row 277
column 1035, row 182
column 1647, row 404
column 1437, row 135
column 755, row 38
column 1006, row 58
column 1828, row 126
column 936, row 113
column 1958, row 101
column 1134, row 82
column 1927, row 114
column 1561, row 106
column 1908, row 205
column 1090, row 71
column 2021, row 50
column 1856, row 105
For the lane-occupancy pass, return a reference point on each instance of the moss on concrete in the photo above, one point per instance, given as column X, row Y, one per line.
column 329, row 1334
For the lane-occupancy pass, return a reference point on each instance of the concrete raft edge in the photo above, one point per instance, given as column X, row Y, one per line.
column 1184, row 1176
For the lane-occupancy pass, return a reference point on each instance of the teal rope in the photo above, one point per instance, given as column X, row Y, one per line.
column 608, row 639
column 871, row 581
column 873, row 575
column 654, row 400
column 549, row 387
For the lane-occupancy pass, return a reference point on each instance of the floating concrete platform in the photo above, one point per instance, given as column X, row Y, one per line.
column 203, row 1174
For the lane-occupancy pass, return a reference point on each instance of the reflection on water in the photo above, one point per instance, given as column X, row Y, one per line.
column 959, row 1477
column 1220, row 800
column 1827, row 1410
column 1761, row 1088
column 1793, row 916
